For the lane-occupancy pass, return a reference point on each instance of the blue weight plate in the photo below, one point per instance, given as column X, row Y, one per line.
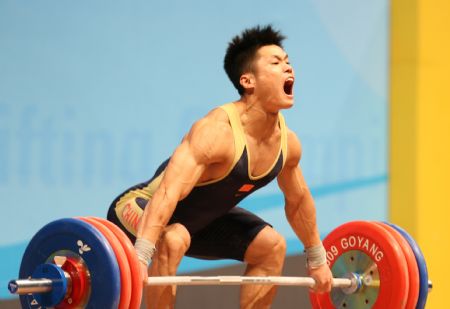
column 72, row 237
column 423, row 272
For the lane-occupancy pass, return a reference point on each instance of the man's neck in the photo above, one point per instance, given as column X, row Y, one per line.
column 257, row 121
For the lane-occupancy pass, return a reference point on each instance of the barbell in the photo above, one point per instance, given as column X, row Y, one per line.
column 90, row 262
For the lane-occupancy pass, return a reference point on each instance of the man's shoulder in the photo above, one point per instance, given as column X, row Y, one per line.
column 292, row 136
column 215, row 119
column 217, row 114
column 294, row 147
column 211, row 136
column 214, row 124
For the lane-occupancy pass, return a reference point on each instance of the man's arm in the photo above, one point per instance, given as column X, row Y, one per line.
column 199, row 149
column 300, row 209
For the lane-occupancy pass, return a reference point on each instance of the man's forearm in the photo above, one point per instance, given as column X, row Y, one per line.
column 156, row 215
column 301, row 215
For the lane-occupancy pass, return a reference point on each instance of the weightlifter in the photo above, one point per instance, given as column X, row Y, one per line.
column 189, row 207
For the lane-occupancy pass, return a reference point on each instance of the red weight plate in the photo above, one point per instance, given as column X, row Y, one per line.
column 125, row 274
column 136, row 281
column 412, row 268
column 80, row 288
column 378, row 258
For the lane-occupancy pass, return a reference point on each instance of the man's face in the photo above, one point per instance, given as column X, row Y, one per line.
column 274, row 77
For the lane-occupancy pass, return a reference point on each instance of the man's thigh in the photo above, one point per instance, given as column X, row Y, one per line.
column 227, row 237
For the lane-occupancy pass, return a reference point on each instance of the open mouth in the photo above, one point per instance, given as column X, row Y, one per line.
column 289, row 86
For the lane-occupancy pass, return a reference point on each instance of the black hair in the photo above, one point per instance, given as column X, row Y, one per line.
column 242, row 49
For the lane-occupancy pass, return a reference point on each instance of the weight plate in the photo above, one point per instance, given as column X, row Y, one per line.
column 368, row 250
column 125, row 274
column 422, row 265
column 135, row 268
column 71, row 237
column 411, row 264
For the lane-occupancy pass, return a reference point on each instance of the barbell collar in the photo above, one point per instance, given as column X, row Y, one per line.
column 35, row 285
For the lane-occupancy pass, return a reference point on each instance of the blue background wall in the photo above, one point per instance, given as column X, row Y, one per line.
column 95, row 94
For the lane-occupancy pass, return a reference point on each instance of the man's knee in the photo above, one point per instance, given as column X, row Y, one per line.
column 174, row 241
column 268, row 247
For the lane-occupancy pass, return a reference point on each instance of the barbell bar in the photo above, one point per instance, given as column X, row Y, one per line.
column 343, row 283
column 27, row 286
column 44, row 285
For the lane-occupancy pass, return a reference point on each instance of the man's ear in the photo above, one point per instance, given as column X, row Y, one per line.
column 247, row 81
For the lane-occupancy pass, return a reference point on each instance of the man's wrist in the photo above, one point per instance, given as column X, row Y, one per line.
column 315, row 256
column 145, row 250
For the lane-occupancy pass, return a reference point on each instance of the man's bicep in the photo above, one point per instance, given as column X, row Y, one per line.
column 201, row 147
column 183, row 171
